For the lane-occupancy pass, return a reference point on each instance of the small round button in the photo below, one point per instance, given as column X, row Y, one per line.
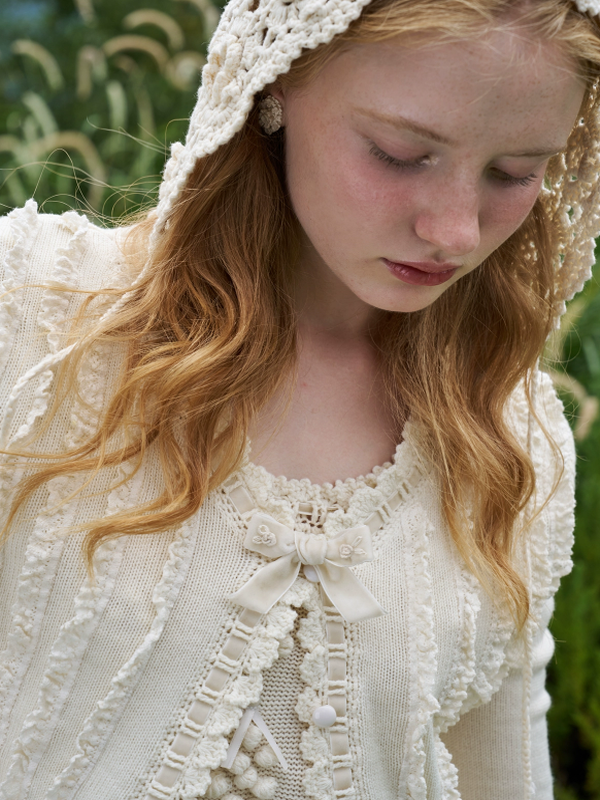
column 310, row 573
column 324, row 716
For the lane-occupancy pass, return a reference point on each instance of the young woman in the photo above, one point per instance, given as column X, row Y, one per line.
column 356, row 259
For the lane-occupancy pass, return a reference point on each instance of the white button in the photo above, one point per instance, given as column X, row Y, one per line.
column 310, row 573
column 324, row 716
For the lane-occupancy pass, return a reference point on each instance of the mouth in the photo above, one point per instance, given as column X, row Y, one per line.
column 421, row 273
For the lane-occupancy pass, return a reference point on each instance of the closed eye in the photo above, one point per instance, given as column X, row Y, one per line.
column 424, row 161
column 380, row 155
column 510, row 180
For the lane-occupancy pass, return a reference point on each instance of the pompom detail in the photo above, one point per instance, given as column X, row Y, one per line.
column 247, row 779
column 265, row 757
column 265, row 788
column 252, row 738
column 286, row 647
column 240, row 764
column 219, row 786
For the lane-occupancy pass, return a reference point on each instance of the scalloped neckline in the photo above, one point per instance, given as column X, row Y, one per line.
column 345, row 486
column 369, row 479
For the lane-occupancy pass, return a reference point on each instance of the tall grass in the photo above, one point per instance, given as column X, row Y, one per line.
column 91, row 94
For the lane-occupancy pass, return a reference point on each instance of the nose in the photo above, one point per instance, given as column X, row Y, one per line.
column 450, row 221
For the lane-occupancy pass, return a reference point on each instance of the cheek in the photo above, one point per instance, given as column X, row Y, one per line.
column 333, row 186
column 505, row 214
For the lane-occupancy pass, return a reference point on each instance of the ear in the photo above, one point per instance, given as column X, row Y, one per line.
column 277, row 92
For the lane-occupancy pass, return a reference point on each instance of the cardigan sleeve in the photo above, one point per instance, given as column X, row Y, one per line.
column 487, row 743
column 500, row 746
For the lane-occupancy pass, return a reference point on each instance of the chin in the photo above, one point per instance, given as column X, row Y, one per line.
column 405, row 304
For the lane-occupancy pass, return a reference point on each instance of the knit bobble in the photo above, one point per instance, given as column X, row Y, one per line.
column 286, row 647
column 240, row 763
column 265, row 788
column 265, row 757
column 247, row 779
column 252, row 738
column 219, row 786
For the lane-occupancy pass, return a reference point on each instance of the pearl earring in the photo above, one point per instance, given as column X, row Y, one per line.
column 270, row 114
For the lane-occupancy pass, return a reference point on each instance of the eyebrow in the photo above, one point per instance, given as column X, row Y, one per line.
column 405, row 124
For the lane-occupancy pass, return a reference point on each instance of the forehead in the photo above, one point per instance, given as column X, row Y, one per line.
column 505, row 79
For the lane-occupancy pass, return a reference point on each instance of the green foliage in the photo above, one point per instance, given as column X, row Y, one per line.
column 93, row 92
column 574, row 719
column 85, row 122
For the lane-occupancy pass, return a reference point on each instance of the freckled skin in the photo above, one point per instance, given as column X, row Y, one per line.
column 491, row 97
column 494, row 98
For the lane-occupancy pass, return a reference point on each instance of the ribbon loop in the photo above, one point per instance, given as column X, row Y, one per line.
column 330, row 557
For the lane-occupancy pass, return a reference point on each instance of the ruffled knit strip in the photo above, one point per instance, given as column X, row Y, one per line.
column 456, row 690
column 101, row 722
column 63, row 664
column 53, row 313
column 33, row 589
column 549, row 541
column 425, row 649
column 551, row 537
column 46, row 544
column 24, row 222
column 202, row 768
column 68, row 650
column 42, row 556
column 23, row 225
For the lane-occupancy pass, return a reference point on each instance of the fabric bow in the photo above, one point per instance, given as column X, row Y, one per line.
column 330, row 558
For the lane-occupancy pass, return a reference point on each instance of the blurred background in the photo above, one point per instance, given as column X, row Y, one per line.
column 91, row 94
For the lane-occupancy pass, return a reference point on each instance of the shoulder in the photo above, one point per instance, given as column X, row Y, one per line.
column 35, row 249
column 48, row 266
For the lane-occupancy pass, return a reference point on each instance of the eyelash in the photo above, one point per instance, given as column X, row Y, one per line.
column 500, row 176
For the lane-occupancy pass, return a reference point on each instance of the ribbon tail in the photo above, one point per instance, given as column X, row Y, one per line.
column 351, row 598
column 268, row 584
column 262, row 726
column 238, row 737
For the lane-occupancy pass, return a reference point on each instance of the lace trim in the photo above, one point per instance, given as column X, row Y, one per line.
column 325, row 668
column 370, row 500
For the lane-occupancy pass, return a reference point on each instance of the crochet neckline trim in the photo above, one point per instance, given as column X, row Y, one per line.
column 283, row 485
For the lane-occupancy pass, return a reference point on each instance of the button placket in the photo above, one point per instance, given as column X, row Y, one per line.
column 337, row 700
column 310, row 518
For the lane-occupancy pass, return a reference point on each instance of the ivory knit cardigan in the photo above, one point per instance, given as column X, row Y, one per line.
column 134, row 684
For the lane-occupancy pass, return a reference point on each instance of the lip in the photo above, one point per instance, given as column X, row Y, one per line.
column 421, row 273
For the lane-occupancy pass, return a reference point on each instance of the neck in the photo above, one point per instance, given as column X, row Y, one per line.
column 324, row 304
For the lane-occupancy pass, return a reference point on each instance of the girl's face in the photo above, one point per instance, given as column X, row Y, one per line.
column 407, row 166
